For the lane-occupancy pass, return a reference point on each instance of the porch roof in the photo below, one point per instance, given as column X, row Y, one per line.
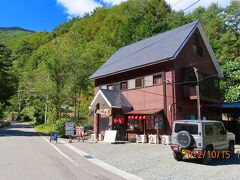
column 226, row 107
column 113, row 99
column 148, row 111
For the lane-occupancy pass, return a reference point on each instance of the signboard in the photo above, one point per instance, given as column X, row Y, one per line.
column 106, row 112
column 69, row 129
column 110, row 136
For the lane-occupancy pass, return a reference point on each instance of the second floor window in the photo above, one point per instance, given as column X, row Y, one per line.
column 157, row 79
column 139, row 83
column 116, row 86
column 110, row 87
column 104, row 87
column 197, row 39
column 124, row 85
column 188, row 76
column 197, row 50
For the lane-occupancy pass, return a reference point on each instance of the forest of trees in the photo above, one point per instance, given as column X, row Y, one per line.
column 44, row 75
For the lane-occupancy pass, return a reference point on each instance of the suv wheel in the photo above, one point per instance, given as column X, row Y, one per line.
column 231, row 149
column 177, row 156
column 207, row 157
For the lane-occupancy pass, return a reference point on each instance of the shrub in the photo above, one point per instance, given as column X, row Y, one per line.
column 89, row 127
column 44, row 128
column 26, row 118
column 60, row 126
column 4, row 124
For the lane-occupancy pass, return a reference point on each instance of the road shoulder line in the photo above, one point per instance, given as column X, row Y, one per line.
column 100, row 163
column 58, row 150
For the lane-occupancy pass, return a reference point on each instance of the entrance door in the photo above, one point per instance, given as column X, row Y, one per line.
column 103, row 125
column 121, row 132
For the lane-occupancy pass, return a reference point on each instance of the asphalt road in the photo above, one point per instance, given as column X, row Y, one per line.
column 25, row 155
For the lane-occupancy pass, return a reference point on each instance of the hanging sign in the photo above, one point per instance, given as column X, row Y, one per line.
column 106, row 112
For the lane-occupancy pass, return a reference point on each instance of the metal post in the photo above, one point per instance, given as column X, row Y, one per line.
column 198, row 94
column 46, row 111
column 156, row 124
column 144, row 127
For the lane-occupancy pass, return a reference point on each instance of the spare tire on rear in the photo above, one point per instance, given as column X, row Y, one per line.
column 184, row 139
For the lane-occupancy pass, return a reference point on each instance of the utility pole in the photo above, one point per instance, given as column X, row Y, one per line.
column 46, row 110
column 198, row 94
column 20, row 95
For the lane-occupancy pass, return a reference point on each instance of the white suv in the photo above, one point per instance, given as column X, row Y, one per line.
column 206, row 140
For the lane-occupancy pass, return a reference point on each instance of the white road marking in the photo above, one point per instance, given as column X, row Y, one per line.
column 62, row 153
column 102, row 164
column 95, row 161
column 67, row 157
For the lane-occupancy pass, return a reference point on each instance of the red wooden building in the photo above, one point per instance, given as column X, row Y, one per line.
column 147, row 85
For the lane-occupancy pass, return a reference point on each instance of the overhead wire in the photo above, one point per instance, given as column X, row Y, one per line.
column 119, row 60
column 190, row 5
column 176, row 3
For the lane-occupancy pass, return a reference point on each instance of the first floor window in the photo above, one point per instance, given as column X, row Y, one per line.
column 135, row 124
column 150, row 122
column 190, row 117
column 159, row 121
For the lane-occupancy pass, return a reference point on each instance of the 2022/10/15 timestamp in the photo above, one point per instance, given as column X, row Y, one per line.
column 211, row 154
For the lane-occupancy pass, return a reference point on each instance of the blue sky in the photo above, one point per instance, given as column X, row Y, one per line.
column 41, row 15
column 31, row 14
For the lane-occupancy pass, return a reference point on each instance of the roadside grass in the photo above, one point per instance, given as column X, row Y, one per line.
column 43, row 128
column 4, row 124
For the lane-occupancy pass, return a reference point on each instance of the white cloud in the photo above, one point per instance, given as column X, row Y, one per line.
column 113, row 2
column 78, row 7
column 182, row 4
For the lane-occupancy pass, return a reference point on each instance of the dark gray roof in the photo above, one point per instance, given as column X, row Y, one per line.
column 148, row 51
column 116, row 98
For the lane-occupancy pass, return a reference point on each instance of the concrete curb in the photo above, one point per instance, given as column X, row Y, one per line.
column 100, row 163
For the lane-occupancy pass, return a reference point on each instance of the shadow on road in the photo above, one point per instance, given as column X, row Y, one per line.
column 18, row 129
column 19, row 125
column 218, row 162
column 225, row 161
column 11, row 132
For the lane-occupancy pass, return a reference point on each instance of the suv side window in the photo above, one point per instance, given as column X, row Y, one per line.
column 208, row 130
column 218, row 128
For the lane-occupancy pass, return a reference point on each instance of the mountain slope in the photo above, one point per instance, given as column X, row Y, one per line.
column 9, row 33
column 13, row 28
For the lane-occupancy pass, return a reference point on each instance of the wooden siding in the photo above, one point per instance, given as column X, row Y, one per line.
column 204, row 64
column 168, row 95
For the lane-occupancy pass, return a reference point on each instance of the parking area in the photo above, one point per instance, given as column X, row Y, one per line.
column 151, row 161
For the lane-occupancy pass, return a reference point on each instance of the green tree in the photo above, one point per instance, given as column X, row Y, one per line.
column 8, row 81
